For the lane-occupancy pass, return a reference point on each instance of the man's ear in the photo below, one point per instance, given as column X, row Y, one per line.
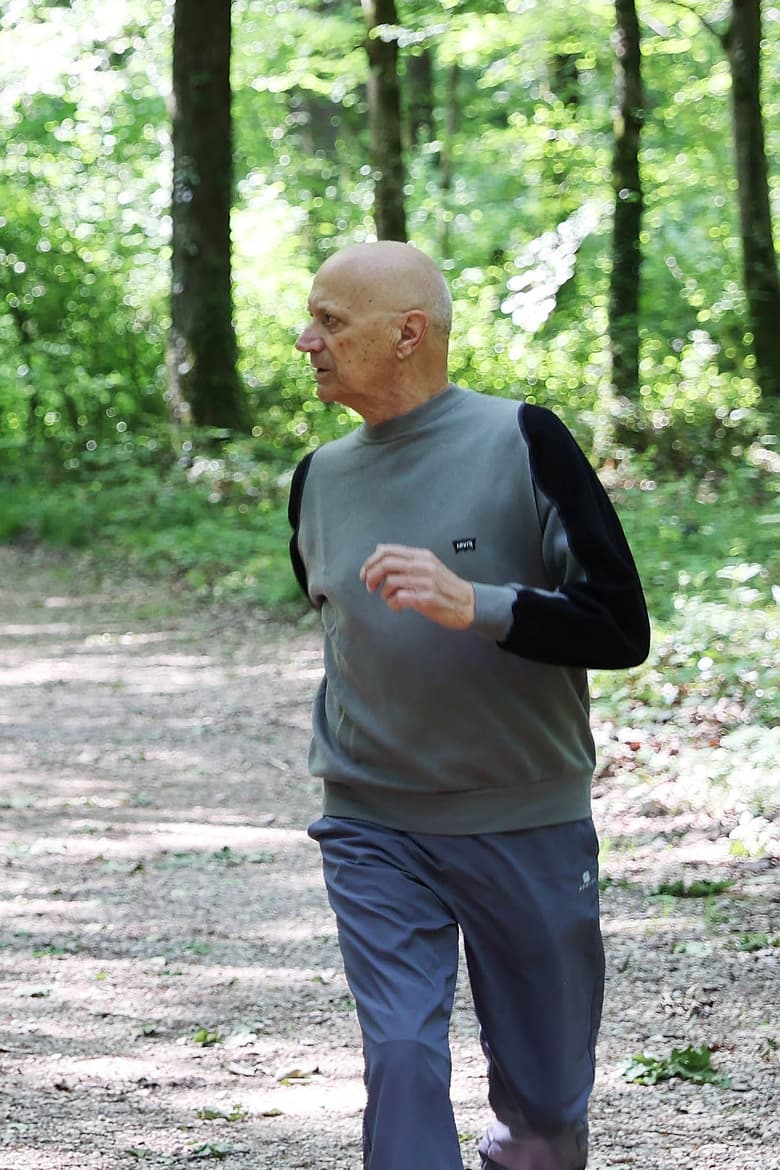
column 413, row 329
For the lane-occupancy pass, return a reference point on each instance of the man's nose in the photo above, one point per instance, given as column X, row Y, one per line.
column 308, row 341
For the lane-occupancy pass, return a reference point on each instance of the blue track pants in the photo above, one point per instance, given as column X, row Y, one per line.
column 527, row 905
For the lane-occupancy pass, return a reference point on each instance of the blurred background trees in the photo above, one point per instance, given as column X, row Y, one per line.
column 490, row 133
column 203, row 383
column 742, row 41
column 627, row 216
column 502, row 136
column 383, row 93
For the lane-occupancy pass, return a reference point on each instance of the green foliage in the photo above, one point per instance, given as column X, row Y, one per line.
column 214, row 526
column 224, row 857
column 702, row 888
column 84, row 190
column 205, row 1037
column 216, row 1150
column 688, row 1064
column 237, row 1113
column 80, row 233
column 697, row 726
column 757, row 942
column 692, row 541
column 53, row 950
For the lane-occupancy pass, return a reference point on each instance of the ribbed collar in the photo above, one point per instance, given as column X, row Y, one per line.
column 414, row 420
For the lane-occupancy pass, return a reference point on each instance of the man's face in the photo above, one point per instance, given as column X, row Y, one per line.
column 350, row 338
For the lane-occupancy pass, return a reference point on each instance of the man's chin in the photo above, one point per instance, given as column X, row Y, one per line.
column 327, row 391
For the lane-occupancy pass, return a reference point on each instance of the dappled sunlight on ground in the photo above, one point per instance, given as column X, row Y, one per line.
column 166, row 949
column 86, row 839
column 628, row 926
column 158, row 674
column 9, row 630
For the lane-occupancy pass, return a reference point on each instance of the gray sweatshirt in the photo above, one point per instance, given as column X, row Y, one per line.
column 427, row 729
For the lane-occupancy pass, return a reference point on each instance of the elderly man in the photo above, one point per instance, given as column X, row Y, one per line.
column 468, row 568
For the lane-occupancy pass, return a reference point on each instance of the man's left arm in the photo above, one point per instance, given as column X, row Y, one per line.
column 594, row 615
column 294, row 517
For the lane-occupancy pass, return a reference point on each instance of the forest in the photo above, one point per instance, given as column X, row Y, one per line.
column 599, row 183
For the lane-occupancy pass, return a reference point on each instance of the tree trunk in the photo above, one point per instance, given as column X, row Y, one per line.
column 203, row 382
column 451, row 121
column 742, row 43
column 626, row 251
column 564, row 82
column 565, row 78
column 384, row 113
column 24, row 332
column 419, row 73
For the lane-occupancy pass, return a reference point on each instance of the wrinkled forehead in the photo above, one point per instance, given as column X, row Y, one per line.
column 331, row 291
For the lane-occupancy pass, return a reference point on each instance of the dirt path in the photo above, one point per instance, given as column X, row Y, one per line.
column 170, row 985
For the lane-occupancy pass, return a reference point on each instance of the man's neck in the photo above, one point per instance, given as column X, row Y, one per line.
column 404, row 400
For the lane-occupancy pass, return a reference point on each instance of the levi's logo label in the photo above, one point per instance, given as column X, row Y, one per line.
column 465, row 544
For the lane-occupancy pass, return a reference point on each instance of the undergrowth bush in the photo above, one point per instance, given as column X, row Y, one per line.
column 703, row 713
column 214, row 524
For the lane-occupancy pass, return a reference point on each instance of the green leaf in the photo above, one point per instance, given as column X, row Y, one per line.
column 757, row 942
column 690, row 1064
column 697, row 889
column 206, row 1037
column 218, row 1150
column 237, row 1113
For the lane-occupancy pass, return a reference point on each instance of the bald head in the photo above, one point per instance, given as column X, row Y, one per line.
column 395, row 276
column 379, row 329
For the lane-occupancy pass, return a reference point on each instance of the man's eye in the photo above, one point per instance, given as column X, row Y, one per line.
column 328, row 320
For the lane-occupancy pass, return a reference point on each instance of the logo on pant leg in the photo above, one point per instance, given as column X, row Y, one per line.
column 586, row 881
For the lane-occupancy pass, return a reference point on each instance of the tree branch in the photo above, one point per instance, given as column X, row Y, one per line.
column 721, row 36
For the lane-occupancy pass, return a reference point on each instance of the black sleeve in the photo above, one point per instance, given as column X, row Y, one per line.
column 294, row 515
column 595, row 615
